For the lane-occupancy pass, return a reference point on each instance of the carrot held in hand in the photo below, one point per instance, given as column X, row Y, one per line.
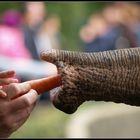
column 44, row 84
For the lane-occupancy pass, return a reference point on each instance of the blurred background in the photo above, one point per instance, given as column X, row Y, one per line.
column 28, row 28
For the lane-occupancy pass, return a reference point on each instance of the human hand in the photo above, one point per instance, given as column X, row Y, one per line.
column 14, row 113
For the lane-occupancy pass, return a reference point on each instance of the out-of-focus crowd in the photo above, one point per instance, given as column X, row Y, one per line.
column 117, row 26
column 25, row 33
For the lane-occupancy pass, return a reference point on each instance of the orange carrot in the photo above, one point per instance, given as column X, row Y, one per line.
column 44, row 84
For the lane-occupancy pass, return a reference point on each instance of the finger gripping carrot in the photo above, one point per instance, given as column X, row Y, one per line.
column 45, row 84
column 42, row 85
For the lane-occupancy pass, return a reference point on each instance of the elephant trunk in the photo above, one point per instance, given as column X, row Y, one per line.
column 103, row 76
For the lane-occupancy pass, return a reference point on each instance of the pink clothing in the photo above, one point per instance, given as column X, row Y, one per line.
column 12, row 43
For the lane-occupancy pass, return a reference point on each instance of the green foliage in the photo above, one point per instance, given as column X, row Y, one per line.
column 9, row 5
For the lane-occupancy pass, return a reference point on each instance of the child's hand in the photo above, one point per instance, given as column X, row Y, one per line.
column 6, row 77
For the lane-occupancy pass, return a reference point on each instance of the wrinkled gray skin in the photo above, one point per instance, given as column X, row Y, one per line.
column 103, row 76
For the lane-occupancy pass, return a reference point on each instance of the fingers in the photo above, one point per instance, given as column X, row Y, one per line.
column 24, row 101
column 6, row 77
column 6, row 81
column 15, row 89
column 7, row 74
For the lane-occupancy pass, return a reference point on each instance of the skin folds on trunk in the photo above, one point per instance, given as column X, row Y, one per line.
column 103, row 76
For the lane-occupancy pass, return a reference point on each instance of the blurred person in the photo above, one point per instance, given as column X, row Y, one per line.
column 98, row 35
column 11, row 37
column 14, row 113
column 125, row 15
column 113, row 28
column 34, row 14
column 113, row 17
column 33, row 17
column 130, row 14
column 112, row 14
column 49, row 36
column 87, row 34
column 13, row 50
column 128, row 19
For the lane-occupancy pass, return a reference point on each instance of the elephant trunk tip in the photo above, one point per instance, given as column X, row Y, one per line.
column 48, row 55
